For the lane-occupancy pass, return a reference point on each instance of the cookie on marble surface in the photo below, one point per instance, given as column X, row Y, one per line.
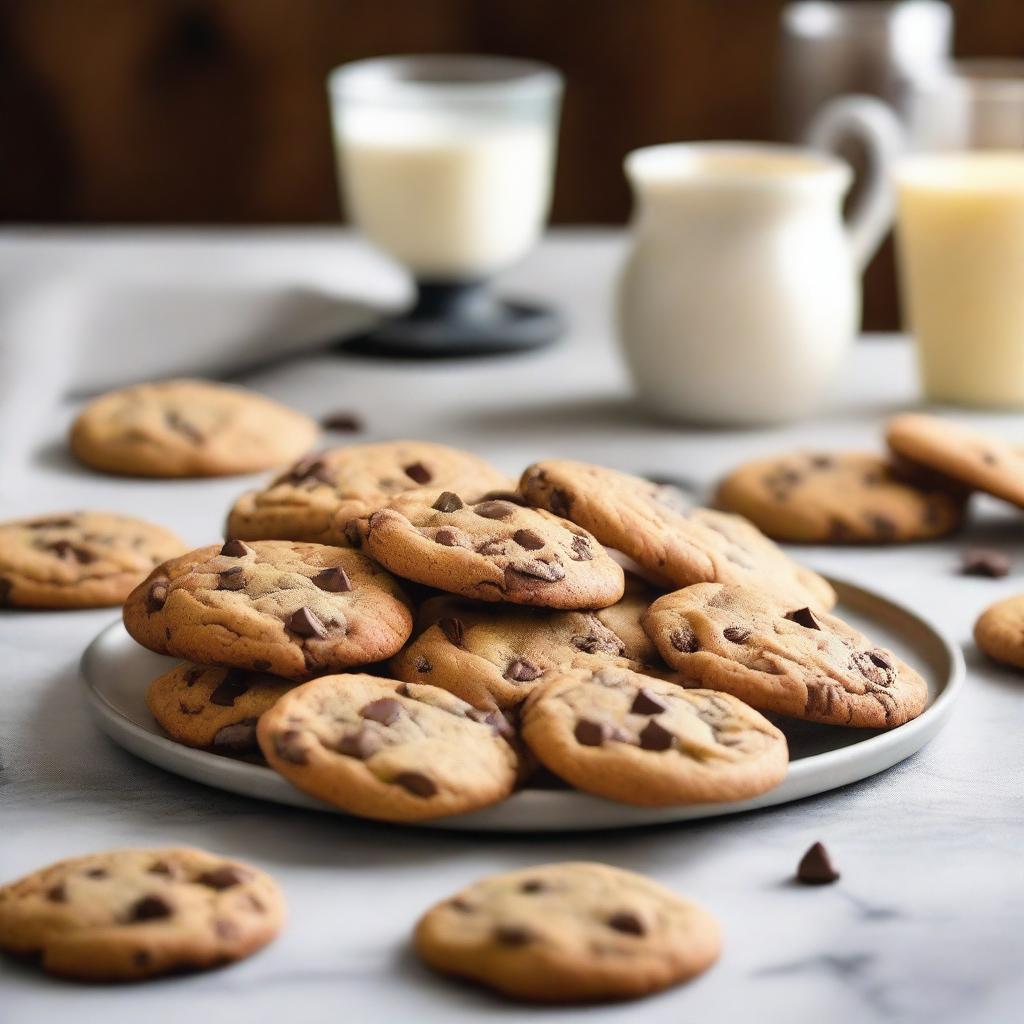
column 570, row 932
column 999, row 631
column 130, row 914
column 648, row 523
column 781, row 657
column 494, row 655
column 393, row 751
column 317, row 497
column 78, row 559
column 492, row 550
column 213, row 708
column 840, row 498
column 188, row 428
column 970, row 457
column 625, row 736
column 292, row 609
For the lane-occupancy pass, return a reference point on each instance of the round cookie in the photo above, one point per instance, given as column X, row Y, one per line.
column 784, row 658
column 492, row 550
column 131, row 914
column 571, row 932
column 388, row 750
column 188, row 428
column 626, row 736
column 317, row 497
column 493, row 656
column 214, row 708
column 840, row 498
column 972, row 458
column 294, row 610
column 999, row 631
column 78, row 559
column 647, row 522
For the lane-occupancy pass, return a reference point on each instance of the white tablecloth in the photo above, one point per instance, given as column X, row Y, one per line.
column 926, row 922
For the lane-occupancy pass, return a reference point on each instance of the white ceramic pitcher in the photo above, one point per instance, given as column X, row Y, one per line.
column 742, row 291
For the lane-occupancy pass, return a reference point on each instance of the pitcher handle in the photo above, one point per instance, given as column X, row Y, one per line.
column 878, row 128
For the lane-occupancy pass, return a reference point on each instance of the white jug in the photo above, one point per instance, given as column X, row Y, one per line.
column 742, row 291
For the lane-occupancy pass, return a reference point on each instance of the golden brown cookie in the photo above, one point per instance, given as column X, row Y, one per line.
column 567, row 933
column 188, row 428
column 292, row 609
column 999, row 631
column 131, row 914
column 623, row 619
column 78, row 559
column 317, row 497
column 787, row 658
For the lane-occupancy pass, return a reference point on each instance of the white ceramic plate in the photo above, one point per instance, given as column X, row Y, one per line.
column 116, row 672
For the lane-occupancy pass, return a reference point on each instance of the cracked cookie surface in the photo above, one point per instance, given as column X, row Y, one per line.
column 570, row 932
column 999, row 631
column 129, row 914
column 78, row 559
column 492, row 550
column 647, row 522
column 626, row 736
column 320, row 495
column 840, row 498
column 213, row 708
column 188, row 428
column 384, row 749
column 786, row 658
column 294, row 610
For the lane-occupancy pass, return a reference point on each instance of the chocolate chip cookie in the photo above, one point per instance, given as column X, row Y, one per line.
column 572, row 932
column 78, row 559
column 494, row 655
column 292, row 609
column 794, row 660
column 131, row 914
column 840, row 498
column 623, row 619
column 972, row 458
column 648, row 523
column 625, row 736
column 999, row 631
column 317, row 497
column 214, row 708
column 188, row 428
column 492, row 550
column 388, row 750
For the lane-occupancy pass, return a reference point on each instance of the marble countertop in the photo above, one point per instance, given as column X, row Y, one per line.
column 926, row 922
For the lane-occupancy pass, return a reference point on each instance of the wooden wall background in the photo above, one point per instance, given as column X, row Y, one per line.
column 214, row 111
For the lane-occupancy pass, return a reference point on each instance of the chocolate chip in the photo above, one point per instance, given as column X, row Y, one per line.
column 235, row 549
column 684, row 640
column 291, row 747
column 261, row 665
column 512, row 935
column 193, row 675
column 97, row 873
column 312, row 467
column 494, row 509
column 589, row 733
column 69, row 552
column 559, row 502
column 884, row 527
column 628, row 922
column 984, row 562
column 5, row 592
column 492, row 547
column 735, row 634
column 238, row 736
column 416, row 783
column 822, row 461
column 448, row 501
column 816, row 868
column 361, row 744
column 385, row 710
column 529, row 539
column 304, row 623
column 460, row 905
column 599, row 645
column 532, row 885
column 874, row 666
column 447, row 538
column 989, row 458
column 549, row 572
column 226, row 929
column 655, row 737
column 453, row 629
column 334, row 580
column 646, row 703
column 149, row 908
column 342, row 422
column 57, row 893
column 840, row 532
column 803, row 617
column 522, row 670
column 160, row 867
column 352, row 534
column 180, row 425
column 142, row 958
column 422, row 665
column 418, row 472
column 513, row 496
column 231, row 579
column 498, row 723
column 581, row 549
column 225, row 877
column 156, row 596
column 230, row 688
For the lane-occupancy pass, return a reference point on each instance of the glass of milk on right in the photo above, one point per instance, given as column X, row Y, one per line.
column 446, row 164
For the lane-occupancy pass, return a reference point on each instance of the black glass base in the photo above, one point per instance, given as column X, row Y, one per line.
column 452, row 320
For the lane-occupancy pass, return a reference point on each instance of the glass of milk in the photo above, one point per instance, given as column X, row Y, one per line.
column 446, row 164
